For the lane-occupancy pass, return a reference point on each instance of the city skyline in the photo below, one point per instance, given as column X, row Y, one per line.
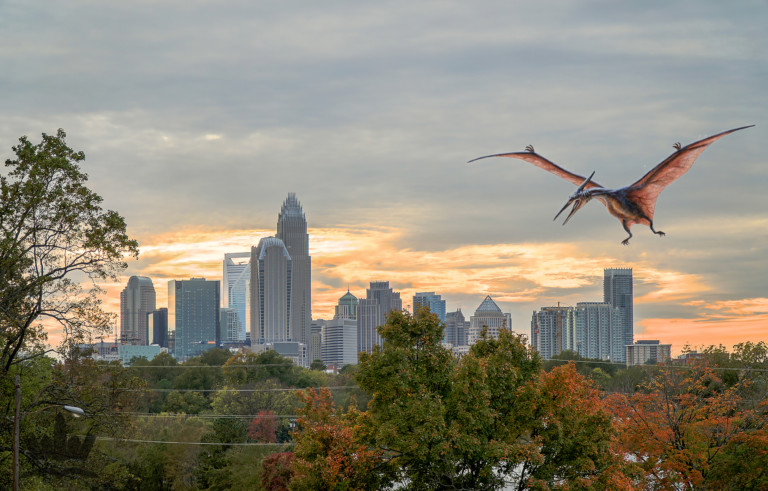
column 197, row 120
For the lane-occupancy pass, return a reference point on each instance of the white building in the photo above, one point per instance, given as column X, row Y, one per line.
column 236, row 276
column 489, row 315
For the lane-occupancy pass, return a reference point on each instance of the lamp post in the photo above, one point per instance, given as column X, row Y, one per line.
column 76, row 412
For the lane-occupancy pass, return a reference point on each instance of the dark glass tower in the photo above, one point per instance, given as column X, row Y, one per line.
column 292, row 230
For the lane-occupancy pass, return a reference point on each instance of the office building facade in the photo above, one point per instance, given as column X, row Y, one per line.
column 488, row 314
column 270, row 297
column 372, row 312
column 193, row 315
column 236, row 277
column 599, row 331
column 456, row 329
column 292, row 231
column 432, row 301
column 137, row 300
column 157, row 326
column 339, row 335
column 648, row 351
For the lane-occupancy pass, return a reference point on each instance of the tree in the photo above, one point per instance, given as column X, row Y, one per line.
column 53, row 233
column 687, row 429
column 329, row 451
column 489, row 419
column 55, row 238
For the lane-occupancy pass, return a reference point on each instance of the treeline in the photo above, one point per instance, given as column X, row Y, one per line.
column 410, row 416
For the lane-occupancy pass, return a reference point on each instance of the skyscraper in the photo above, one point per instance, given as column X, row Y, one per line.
column 236, row 277
column 271, row 284
column 598, row 331
column 372, row 312
column 136, row 301
column 339, row 336
column 489, row 315
column 157, row 325
column 618, row 291
column 292, row 231
column 428, row 299
column 193, row 315
column 553, row 330
column 456, row 328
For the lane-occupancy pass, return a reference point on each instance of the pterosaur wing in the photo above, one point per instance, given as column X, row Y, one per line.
column 646, row 190
column 549, row 166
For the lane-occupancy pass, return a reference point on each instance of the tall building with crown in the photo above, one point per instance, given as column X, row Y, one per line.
column 292, row 231
column 271, row 286
column 137, row 300
column 618, row 292
column 372, row 312
column 489, row 315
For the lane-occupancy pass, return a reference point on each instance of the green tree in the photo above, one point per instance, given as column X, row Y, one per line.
column 53, row 233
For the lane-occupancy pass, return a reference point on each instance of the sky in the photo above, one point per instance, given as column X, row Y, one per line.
column 197, row 119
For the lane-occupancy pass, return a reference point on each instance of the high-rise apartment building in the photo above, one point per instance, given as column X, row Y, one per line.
column 372, row 312
column 618, row 291
column 136, row 301
column 270, row 297
column 292, row 231
column 553, row 330
column 236, row 276
column 456, row 328
column 434, row 302
column 599, row 331
column 339, row 335
column 193, row 316
column 488, row 314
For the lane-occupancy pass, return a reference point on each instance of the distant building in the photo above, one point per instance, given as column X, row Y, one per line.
column 650, row 351
column 127, row 353
column 489, row 315
column 136, row 301
column 234, row 295
column 456, row 329
column 339, row 335
column 229, row 326
column 157, row 326
column 434, row 302
column 618, row 291
column 271, row 283
column 372, row 312
column 347, row 307
column 292, row 230
column 317, row 339
column 553, row 330
column 193, row 316
column 598, row 331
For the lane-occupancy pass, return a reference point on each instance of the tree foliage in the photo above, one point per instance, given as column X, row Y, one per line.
column 52, row 228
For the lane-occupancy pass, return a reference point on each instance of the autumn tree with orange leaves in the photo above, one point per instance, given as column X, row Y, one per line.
column 687, row 429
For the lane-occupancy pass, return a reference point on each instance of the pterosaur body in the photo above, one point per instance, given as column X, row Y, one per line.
column 631, row 204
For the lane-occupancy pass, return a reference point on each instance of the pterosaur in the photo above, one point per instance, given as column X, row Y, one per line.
column 631, row 204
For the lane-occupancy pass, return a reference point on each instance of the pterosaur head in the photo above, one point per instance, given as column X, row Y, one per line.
column 579, row 199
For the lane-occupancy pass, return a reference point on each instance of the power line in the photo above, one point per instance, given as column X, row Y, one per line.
column 242, row 390
column 210, row 416
column 131, row 440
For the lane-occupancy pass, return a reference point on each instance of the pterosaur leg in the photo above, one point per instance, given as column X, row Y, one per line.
column 626, row 227
column 659, row 233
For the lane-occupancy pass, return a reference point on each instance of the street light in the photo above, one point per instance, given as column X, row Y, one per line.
column 76, row 412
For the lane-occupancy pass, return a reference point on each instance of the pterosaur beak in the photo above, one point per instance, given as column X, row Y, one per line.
column 577, row 203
